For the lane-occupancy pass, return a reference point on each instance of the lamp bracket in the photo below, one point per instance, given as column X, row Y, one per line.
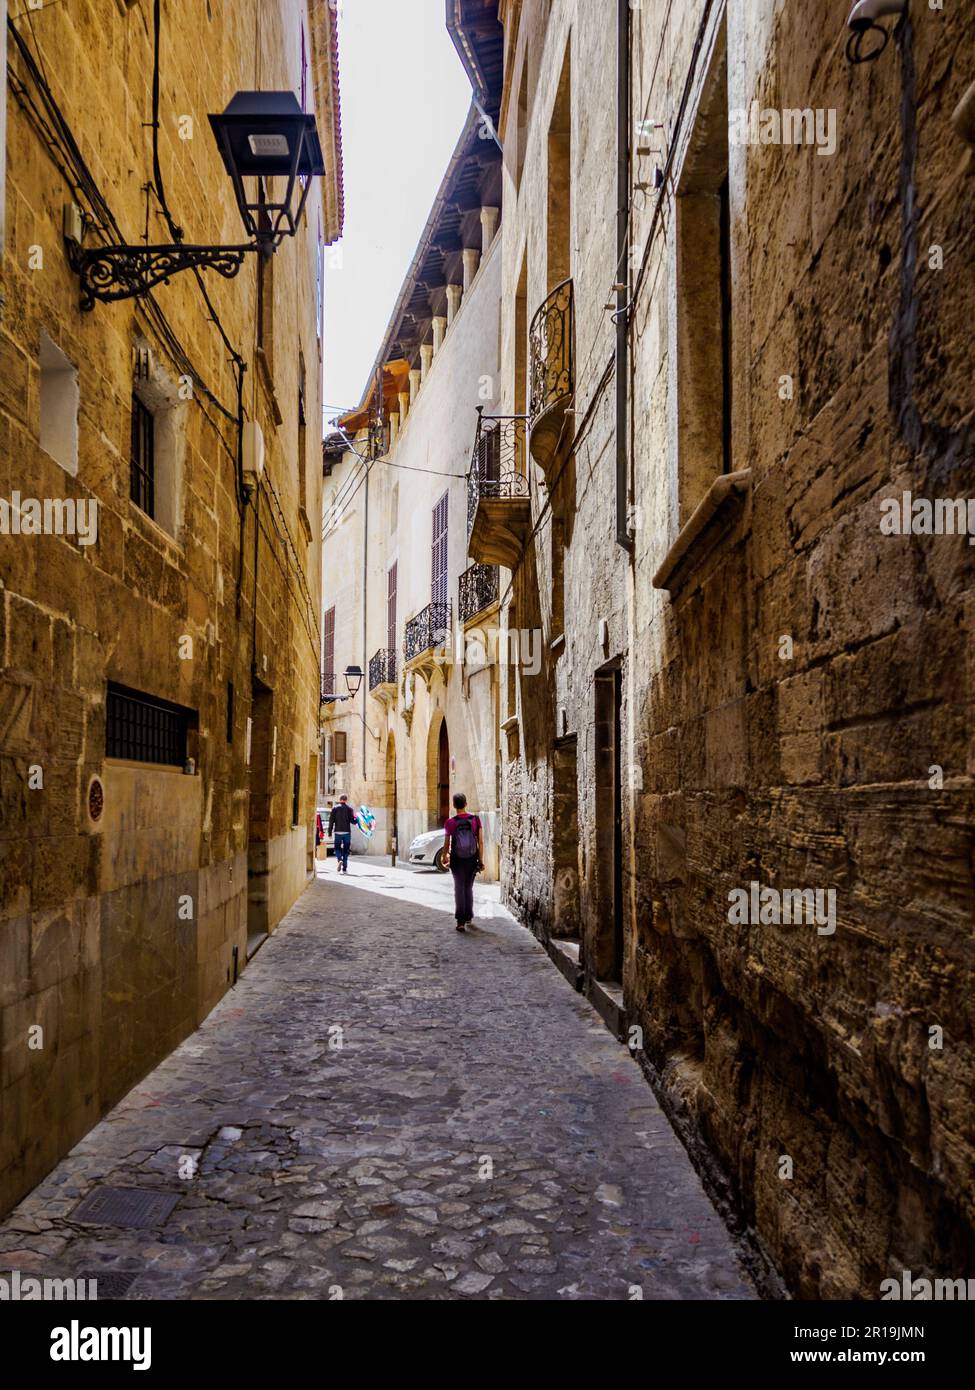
column 127, row 272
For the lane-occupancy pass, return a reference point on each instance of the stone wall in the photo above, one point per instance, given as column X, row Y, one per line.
column 822, row 1078
column 122, row 922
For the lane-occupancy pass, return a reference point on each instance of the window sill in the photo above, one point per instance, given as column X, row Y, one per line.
column 154, row 529
column 508, row 724
column 137, row 765
column 267, row 381
column 708, row 525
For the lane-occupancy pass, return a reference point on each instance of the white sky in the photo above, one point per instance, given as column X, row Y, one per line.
column 405, row 97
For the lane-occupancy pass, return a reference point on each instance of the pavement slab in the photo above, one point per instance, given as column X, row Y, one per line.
column 385, row 1108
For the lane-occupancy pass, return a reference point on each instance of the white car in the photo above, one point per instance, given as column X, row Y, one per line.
column 429, row 849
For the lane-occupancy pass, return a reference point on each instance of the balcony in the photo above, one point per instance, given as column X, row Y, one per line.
column 498, row 505
column 329, row 687
column 552, row 366
column 426, row 642
column 382, row 676
column 478, row 589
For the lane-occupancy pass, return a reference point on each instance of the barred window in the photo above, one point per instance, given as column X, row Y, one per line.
column 142, row 460
column 142, row 729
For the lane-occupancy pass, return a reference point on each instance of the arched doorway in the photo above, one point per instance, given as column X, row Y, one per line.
column 443, row 774
column 390, row 794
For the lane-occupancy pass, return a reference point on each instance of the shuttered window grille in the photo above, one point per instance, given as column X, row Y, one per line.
column 391, row 609
column 438, row 586
column 143, row 730
column 142, row 460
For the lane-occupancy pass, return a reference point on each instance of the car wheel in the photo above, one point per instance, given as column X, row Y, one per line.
column 440, row 860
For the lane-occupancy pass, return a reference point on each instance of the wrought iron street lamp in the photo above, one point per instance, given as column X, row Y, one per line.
column 353, row 679
column 262, row 136
column 265, row 136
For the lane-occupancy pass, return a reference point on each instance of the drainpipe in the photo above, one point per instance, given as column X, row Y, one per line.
column 622, row 271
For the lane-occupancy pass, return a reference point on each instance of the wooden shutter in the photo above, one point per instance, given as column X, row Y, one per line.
column 391, row 609
column 328, row 652
column 438, row 586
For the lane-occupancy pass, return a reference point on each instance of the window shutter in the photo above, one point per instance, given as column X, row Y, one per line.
column 438, row 586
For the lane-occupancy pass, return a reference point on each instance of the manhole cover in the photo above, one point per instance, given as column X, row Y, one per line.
column 125, row 1206
column 109, row 1283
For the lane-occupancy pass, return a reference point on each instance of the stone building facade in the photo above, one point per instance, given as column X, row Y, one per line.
column 426, row 723
column 751, row 687
column 159, row 669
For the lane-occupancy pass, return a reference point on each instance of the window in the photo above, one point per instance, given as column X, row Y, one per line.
column 337, row 747
column 158, row 441
column 59, row 406
column 726, row 380
column 704, row 293
column 522, row 120
column 328, row 652
column 521, row 361
column 265, row 296
column 143, row 729
column 302, row 450
column 391, row 609
column 230, row 711
column 559, row 230
column 319, row 278
column 142, row 459
column 438, row 586
column 296, row 797
column 558, row 577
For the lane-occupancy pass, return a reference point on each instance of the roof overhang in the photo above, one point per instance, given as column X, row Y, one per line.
column 477, row 35
column 328, row 112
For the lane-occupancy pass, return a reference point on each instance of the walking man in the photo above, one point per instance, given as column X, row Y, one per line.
column 464, row 850
column 342, row 819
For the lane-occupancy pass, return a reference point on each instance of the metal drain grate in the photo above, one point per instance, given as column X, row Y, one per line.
column 125, row 1206
column 109, row 1283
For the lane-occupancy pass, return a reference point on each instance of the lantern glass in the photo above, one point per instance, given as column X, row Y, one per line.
column 353, row 679
column 267, row 138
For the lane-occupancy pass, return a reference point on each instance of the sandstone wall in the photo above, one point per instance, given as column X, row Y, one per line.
column 744, row 759
column 119, row 933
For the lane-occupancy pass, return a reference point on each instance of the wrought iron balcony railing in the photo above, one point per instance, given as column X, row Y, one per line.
column 551, row 354
column 430, row 628
column 477, row 590
column 498, row 461
column 329, row 689
column 382, row 669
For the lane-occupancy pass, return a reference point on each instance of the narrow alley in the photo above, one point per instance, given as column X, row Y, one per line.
column 386, row 1108
column 494, row 458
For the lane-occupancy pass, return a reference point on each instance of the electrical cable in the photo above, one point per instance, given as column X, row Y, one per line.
column 176, row 232
column 56, row 134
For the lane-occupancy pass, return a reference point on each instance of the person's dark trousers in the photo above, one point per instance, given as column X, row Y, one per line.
column 343, row 843
column 464, row 872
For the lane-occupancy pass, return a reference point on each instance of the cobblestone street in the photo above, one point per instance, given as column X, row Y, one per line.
column 389, row 1109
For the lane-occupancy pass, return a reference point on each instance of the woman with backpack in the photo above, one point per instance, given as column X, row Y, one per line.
column 464, row 851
